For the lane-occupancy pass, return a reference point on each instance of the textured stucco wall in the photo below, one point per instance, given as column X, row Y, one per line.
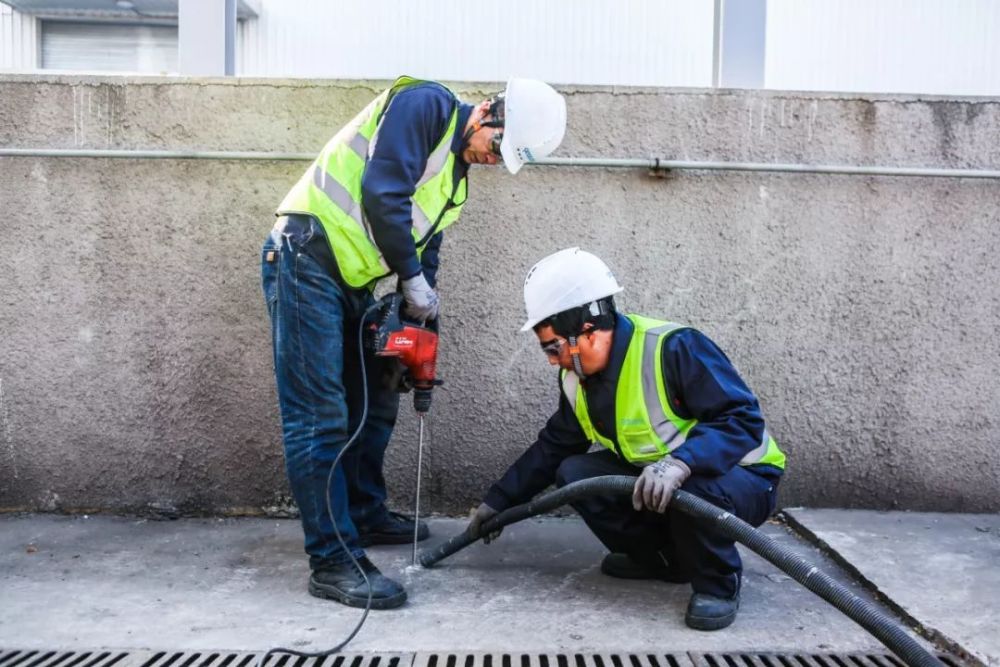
column 136, row 372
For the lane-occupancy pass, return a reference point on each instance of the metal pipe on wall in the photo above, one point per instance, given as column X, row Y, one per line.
column 655, row 164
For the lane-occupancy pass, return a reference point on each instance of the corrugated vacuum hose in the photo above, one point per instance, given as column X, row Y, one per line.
column 871, row 619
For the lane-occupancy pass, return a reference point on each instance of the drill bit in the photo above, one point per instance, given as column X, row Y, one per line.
column 416, row 502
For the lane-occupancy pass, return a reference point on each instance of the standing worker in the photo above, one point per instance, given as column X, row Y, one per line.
column 668, row 406
column 373, row 204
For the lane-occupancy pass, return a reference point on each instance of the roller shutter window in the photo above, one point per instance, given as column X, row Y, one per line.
column 110, row 47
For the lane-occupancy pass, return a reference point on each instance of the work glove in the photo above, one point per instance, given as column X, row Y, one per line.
column 657, row 483
column 478, row 517
column 421, row 299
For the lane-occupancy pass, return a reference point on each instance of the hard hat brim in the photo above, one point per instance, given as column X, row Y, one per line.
column 529, row 324
column 509, row 155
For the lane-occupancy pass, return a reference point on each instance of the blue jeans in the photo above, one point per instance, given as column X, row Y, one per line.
column 710, row 559
column 314, row 331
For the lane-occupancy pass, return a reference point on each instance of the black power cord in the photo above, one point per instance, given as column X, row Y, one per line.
column 329, row 510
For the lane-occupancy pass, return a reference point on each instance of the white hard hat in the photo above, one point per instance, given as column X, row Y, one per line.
column 534, row 122
column 564, row 280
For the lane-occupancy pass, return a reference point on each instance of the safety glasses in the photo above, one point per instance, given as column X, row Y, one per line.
column 495, row 142
column 553, row 348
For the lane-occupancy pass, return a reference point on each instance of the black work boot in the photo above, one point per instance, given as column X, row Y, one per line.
column 345, row 584
column 396, row 528
column 624, row 566
column 707, row 612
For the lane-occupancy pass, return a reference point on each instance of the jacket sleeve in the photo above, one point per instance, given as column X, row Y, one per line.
column 412, row 126
column 429, row 258
column 703, row 384
column 535, row 470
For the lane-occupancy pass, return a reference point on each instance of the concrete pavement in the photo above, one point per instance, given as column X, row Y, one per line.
column 939, row 571
column 239, row 584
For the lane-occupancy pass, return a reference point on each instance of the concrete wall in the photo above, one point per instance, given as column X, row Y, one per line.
column 136, row 371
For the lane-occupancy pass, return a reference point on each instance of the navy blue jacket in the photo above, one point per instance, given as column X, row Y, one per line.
column 412, row 126
column 701, row 383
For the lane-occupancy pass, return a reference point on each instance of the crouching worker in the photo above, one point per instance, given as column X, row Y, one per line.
column 667, row 405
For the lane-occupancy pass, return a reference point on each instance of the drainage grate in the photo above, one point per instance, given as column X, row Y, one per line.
column 806, row 660
column 41, row 658
column 60, row 658
column 194, row 659
column 341, row 660
column 547, row 660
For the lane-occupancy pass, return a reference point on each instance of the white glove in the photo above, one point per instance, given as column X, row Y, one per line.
column 657, row 483
column 479, row 516
column 421, row 299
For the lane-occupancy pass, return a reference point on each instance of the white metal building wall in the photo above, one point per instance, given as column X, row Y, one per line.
column 942, row 47
column 18, row 40
column 624, row 42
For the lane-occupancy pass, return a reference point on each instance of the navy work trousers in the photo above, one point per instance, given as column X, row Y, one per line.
column 711, row 560
column 314, row 331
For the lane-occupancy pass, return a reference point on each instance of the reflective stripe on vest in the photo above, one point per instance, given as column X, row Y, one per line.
column 330, row 191
column 646, row 427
